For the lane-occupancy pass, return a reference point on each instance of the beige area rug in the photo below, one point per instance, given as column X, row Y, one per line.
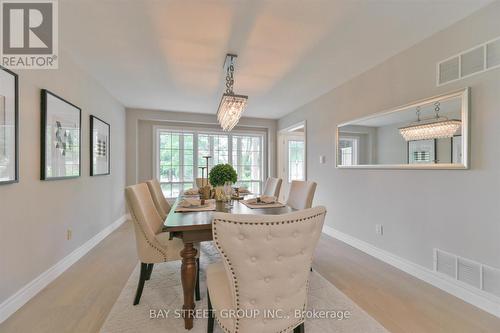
column 164, row 292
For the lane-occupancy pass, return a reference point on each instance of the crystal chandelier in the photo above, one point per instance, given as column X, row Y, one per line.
column 436, row 128
column 231, row 106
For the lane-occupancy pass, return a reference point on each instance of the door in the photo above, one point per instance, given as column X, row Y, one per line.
column 292, row 158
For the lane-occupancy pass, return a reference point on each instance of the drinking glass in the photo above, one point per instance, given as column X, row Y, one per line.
column 228, row 191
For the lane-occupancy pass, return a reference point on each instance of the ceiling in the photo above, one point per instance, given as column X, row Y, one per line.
column 168, row 55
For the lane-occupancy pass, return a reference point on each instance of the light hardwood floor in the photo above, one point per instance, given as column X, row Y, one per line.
column 81, row 298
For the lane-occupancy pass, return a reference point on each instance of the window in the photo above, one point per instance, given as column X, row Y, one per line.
column 176, row 163
column 295, row 160
column 179, row 155
column 214, row 145
column 247, row 160
column 348, row 152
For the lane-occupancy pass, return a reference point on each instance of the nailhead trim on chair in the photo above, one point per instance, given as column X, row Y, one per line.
column 134, row 218
column 235, row 283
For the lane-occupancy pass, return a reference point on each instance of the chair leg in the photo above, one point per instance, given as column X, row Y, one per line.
column 210, row 327
column 299, row 329
column 150, row 270
column 197, row 287
column 142, row 279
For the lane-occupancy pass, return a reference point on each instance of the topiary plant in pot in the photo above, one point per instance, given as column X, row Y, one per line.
column 219, row 175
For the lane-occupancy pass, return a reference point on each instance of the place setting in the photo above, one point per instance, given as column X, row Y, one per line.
column 195, row 205
column 263, row 201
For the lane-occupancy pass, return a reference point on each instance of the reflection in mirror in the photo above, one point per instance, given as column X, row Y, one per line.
column 425, row 134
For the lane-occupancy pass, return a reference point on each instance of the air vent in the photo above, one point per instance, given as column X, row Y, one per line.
column 446, row 263
column 476, row 60
column 472, row 62
column 491, row 280
column 493, row 54
column 469, row 272
column 449, row 70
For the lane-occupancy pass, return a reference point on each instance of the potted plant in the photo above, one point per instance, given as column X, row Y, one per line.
column 219, row 175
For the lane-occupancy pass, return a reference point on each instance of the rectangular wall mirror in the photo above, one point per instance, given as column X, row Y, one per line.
column 427, row 134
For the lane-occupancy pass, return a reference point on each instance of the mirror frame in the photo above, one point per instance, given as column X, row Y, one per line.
column 465, row 96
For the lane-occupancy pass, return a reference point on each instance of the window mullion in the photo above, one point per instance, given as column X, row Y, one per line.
column 238, row 155
column 211, row 148
column 230, row 149
column 195, row 156
column 158, row 155
column 181, row 157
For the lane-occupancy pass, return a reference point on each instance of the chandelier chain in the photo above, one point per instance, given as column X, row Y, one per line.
column 230, row 78
column 437, row 108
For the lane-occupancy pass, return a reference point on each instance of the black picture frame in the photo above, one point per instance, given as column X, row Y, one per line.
column 16, row 128
column 43, row 137
column 93, row 121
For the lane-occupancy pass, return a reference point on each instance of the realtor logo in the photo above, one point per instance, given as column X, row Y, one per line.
column 29, row 34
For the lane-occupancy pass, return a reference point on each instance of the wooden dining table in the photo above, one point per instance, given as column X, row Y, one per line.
column 193, row 227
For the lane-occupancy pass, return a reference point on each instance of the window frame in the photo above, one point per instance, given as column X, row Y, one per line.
column 196, row 131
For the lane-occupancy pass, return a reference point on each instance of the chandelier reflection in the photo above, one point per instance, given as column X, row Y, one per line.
column 435, row 128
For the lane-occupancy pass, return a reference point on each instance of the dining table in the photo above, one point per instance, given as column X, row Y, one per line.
column 194, row 227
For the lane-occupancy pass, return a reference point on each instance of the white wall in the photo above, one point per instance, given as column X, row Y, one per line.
column 35, row 214
column 458, row 210
column 140, row 124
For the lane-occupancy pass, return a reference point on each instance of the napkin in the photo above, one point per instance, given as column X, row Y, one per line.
column 189, row 202
column 243, row 190
column 267, row 199
column 191, row 191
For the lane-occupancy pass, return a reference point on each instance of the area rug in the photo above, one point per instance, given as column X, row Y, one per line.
column 163, row 292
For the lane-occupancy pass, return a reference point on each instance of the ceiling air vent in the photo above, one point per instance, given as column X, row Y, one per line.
column 449, row 70
column 475, row 60
column 472, row 62
column 493, row 54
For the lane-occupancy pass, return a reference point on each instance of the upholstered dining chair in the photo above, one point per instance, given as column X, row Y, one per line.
column 265, row 266
column 272, row 187
column 161, row 204
column 301, row 194
column 163, row 208
column 153, row 245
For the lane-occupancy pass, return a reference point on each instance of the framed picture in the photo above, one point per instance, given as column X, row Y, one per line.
column 60, row 137
column 100, row 136
column 422, row 151
column 9, row 129
column 456, row 149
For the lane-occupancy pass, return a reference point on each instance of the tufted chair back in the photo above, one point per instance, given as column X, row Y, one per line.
column 301, row 194
column 272, row 186
column 267, row 260
column 147, row 224
column 159, row 200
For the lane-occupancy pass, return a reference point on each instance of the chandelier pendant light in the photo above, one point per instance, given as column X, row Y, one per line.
column 231, row 105
column 436, row 128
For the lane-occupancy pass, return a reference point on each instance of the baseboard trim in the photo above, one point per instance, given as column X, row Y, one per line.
column 22, row 296
column 476, row 297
